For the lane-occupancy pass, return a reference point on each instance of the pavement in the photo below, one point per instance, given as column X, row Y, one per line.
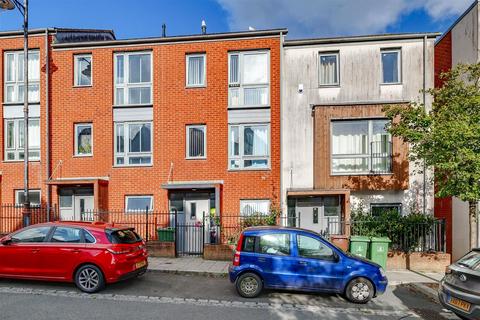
column 199, row 266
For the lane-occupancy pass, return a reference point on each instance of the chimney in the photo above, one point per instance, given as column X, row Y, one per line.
column 204, row 27
column 164, row 30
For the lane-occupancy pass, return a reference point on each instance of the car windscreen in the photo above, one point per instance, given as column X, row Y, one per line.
column 471, row 261
column 124, row 236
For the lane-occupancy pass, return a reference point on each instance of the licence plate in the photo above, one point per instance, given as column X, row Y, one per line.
column 140, row 264
column 463, row 305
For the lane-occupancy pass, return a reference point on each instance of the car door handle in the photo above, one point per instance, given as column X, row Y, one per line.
column 303, row 263
column 35, row 250
column 75, row 251
column 262, row 259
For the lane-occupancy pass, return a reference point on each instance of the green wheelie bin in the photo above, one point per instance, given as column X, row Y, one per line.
column 166, row 234
column 359, row 245
column 379, row 250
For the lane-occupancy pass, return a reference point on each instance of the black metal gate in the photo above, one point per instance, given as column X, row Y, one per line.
column 190, row 237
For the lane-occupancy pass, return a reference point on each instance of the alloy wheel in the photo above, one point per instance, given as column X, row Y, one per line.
column 89, row 279
column 249, row 285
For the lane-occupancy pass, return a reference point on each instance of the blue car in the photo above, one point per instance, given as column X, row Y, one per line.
column 297, row 259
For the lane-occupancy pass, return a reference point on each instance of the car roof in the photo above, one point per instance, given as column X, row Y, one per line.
column 264, row 229
column 98, row 225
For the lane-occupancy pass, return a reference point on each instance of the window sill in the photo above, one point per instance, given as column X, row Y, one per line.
column 391, row 84
column 196, row 158
column 248, row 107
column 147, row 105
column 83, row 155
column 134, row 166
column 328, row 86
column 20, row 161
column 203, row 86
column 20, row 103
column 83, row 86
column 249, row 169
column 361, row 174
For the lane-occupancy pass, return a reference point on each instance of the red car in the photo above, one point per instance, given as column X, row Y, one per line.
column 89, row 254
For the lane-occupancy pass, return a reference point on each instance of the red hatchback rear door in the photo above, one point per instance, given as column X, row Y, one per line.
column 62, row 252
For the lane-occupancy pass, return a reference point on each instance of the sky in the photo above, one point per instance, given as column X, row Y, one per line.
column 303, row 18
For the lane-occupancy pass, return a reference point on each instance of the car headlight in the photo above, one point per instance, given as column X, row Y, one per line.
column 382, row 273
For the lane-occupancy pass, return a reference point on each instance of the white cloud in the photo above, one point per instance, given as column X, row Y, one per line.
column 332, row 17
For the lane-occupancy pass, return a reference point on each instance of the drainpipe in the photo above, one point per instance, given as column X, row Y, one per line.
column 282, row 195
column 424, row 106
column 47, row 117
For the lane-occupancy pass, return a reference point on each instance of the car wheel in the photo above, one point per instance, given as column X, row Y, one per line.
column 89, row 279
column 359, row 290
column 249, row 285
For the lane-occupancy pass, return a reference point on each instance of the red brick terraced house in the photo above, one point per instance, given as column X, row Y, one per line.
column 190, row 123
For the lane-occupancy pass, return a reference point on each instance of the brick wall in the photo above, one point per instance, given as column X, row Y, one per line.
column 174, row 106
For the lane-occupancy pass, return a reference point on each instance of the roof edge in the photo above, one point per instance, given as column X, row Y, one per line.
column 460, row 18
column 362, row 38
column 155, row 40
column 12, row 33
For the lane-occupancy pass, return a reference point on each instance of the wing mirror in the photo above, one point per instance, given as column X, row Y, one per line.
column 6, row 240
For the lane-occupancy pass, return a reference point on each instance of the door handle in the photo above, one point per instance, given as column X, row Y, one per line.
column 75, row 251
column 35, row 250
column 303, row 263
column 262, row 259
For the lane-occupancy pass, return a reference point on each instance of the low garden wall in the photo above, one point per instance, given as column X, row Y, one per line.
column 161, row 249
column 418, row 261
column 222, row 252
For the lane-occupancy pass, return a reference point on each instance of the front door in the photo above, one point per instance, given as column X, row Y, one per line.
column 83, row 204
column 319, row 214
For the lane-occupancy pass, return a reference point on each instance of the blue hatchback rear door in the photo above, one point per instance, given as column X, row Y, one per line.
column 316, row 265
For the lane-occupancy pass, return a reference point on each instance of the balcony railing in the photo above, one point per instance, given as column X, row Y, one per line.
column 381, row 157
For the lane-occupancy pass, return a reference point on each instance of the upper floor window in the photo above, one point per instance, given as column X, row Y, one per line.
column 15, row 138
column 133, row 78
column 83, row 70
column 391, row 66
column 196, row 142
column 249, row 146
column 14, row 86
column 361, row 147
column 196, row 70
column 133, row 143
column 329, row 69
column 83, row 139
column 249, row 79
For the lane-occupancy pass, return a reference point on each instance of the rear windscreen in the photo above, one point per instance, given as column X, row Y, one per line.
column 123, row 236
column 470, row 261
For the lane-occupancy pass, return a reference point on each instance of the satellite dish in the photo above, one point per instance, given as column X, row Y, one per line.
column 7, row 5
column 250, row 28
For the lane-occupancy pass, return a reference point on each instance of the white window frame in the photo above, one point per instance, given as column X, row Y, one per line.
column 150, row 208
column 204, row 80
column 187, row 144
column 399, row 65
column 244, row 202
column 367, row 155
column 126, row 145
column 16, row 140
column 76, row 59
column 19, row 192
column 241, row 156
column 241, row 85
column 15, row 82
column 77, row 125
column 387, row 205
column 337, row 57
column 126, row 85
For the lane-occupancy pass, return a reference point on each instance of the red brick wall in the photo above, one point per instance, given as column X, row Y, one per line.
column 12, row 172
column 443, row 63
column 174, row 106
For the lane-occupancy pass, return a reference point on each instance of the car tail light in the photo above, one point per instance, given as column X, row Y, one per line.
column 119, row 250
column 448, row 270
column 236, row 257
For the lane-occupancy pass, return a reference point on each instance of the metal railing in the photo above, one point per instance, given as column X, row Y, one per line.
column 12, row 219
column 381, row 157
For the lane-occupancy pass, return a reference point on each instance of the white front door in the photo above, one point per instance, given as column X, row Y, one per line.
column 82, row 204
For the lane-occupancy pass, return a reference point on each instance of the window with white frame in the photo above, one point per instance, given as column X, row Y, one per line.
column 360, row 146
column 133, row 78
column 133, row 143
column 378, row 209
column 249, row 78
column 33, row 197
column 196, row 142
column 14, row 139
column 329, row 69
column 249, row 146
column 138, row 203
column 196, row 70
column 391, row 65
column 83, row 139
column 14, row 72
column 83, row 70
column 254, row 207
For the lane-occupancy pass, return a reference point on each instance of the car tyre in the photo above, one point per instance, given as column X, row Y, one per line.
column 359, row 290
column 249, row 285
column 89, row 279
